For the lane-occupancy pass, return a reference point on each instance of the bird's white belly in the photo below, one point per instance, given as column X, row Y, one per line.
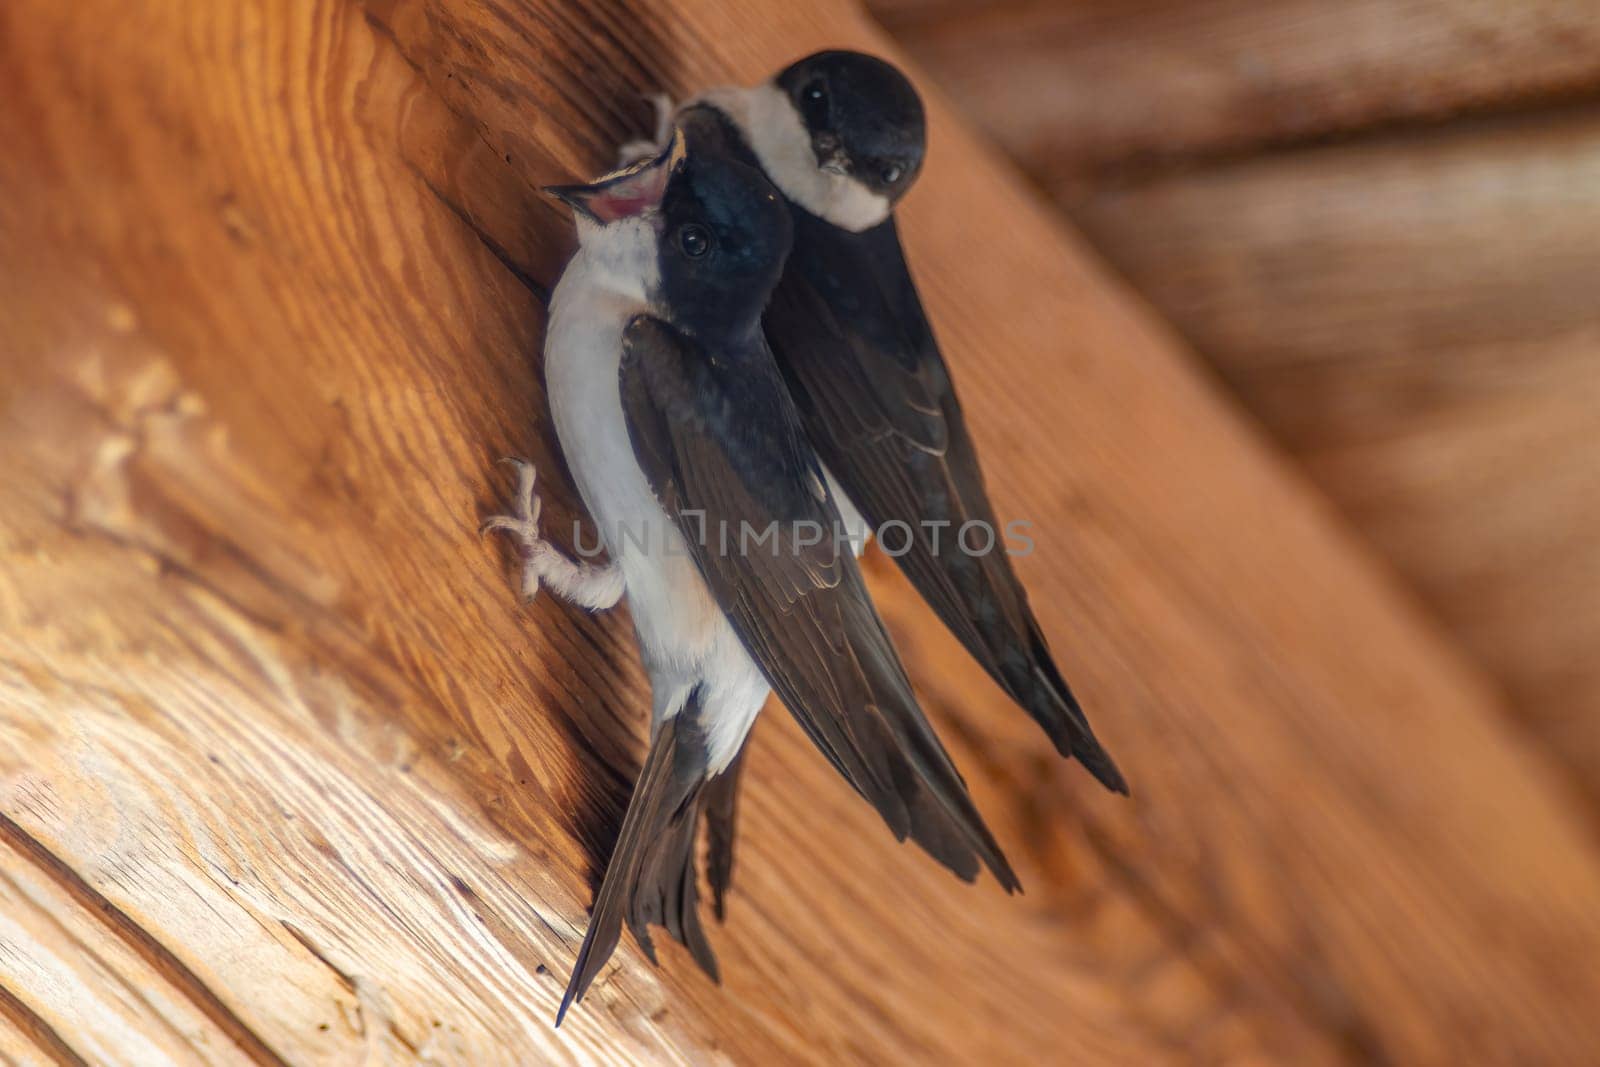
column 672, row 609
column 685, row 639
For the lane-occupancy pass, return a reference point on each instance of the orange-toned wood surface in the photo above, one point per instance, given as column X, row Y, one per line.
column 1080, row 90
column 289, row 776
column 1416, row 318
column 1374, row 220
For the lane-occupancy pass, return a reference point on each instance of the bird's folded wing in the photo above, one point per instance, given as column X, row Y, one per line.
column 877, row 402
column 721, row 445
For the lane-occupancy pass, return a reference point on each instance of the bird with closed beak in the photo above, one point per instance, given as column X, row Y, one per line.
column 843, row 137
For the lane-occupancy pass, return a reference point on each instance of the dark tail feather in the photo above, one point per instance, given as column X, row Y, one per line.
column 667, row 895
column 722, row 812
column 651, row 877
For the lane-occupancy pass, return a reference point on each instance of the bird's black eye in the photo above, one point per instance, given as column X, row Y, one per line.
column 891, row 173
column 814, row 104
column 694, row 240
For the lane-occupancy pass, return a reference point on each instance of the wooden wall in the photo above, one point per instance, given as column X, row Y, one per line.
column 1376, row 220
column 287, row 775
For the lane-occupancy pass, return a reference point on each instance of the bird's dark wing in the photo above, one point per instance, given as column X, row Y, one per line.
column 718, row 439
column 876, row 401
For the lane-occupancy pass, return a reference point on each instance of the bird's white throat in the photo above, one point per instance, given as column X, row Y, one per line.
column 620, row 257
column 773, row 129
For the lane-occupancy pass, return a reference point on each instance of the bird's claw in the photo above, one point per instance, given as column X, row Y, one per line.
column 524, row 525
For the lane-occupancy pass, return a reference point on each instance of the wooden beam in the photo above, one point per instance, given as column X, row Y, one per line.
column 1416, row 318
column 1077, row 89
column 111, row 996
column 267, row 326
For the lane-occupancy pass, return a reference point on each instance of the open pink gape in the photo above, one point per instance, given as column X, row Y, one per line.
column 632, row 192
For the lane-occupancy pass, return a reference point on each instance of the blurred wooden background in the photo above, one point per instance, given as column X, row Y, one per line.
column 1377, row 220
column 288, row 776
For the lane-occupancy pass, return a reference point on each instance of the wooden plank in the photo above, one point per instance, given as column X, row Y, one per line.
column 1074, row 89
column 79, row 991
column 1416, row 318
column 268, row 695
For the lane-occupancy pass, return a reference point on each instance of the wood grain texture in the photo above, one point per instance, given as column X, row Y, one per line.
column 111, row 1000
column 1409, row 308
column 1078, row 88
column 266, row 694
column 1416, row 318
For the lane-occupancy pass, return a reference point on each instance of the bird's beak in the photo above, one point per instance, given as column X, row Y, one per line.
column 831, row 156
column 574, row 196
column 624, row 193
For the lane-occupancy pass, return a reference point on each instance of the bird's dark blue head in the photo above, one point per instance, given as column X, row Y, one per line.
column 724, row 235
column 863, row 116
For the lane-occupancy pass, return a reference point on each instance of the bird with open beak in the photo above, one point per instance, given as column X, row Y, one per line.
column 677, row 426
